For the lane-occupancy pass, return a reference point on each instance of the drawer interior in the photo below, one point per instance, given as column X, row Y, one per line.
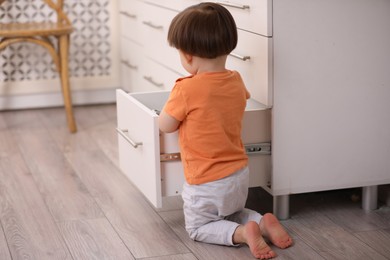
column 156, row 101
column 152, row 100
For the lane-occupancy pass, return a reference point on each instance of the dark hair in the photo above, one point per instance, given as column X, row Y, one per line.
column 206, row 30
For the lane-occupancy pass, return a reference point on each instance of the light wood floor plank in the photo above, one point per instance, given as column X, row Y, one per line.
column 94, row 239
column 28, row 225
column 99, row 214
column 3, row 125
column 110, row 111
column 330, row 240
column 140, row 227
column 96, row 171
column 53, row 119
column 86, row 116
column 8, row 145
column 101, row 176
column 142, row 230
column 339, row 207
column 354, row 219
column 106, row 138
column 95, row 132
column 173, row 257
column 64, row 193
column 91, row 116
column 4, row 251
column 379, row 240
column 14, row 119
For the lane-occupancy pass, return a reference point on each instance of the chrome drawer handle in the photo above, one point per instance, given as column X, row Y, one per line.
column 132, row 16
column 127, row 138
column 150, row 79
column 240, row 57
column 150, row 24
column 125, row 62
column 234, row 5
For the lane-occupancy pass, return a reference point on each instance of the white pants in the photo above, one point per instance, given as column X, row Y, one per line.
column 214, row 210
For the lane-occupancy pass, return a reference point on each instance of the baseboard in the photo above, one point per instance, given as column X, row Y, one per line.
column 54, row 99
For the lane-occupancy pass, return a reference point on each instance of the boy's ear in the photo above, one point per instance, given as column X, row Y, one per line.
column 188, row 57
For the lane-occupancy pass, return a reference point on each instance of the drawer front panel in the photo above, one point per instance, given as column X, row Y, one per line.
column 251, row 15
column 141, row 164
column 176, row 5
column 155, row 27
column 130, row 13
column 131, row 63
column 156, row 77
column 253, row 59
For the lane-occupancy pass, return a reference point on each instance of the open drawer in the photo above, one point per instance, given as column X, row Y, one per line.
column 151, row 160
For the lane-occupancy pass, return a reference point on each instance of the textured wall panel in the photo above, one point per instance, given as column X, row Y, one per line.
column 90, row 50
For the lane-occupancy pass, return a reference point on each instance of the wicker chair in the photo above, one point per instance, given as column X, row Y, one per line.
column 39, row 33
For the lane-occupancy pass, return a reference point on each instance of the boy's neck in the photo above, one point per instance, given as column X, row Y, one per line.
column 210, row 65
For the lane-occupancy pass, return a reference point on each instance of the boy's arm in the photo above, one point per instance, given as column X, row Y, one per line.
column 167, row 123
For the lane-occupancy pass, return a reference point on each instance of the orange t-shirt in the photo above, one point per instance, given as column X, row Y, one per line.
column 210, row 107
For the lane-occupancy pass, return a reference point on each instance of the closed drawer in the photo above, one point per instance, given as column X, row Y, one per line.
column 130, row 17
column 251, row 15
column 149, row 159
column 155, row 27
column 253, row 59
column 131, row 64
column 177, row 5
column 156, row 77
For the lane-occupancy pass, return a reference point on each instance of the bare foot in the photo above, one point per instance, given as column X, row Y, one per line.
column 274, row 231
column 251, row 235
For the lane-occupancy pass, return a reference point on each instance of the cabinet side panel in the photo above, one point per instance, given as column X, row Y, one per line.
column 331, row 94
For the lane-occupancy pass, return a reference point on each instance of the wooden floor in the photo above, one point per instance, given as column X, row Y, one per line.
column 62, row 196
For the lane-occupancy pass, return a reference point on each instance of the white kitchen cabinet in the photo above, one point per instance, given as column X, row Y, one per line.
column 147, row 61
column 323, row 69
column 131, row 64
column 250, row 15
column 253, row 59
column 155, row 26
column 331, row 92
column 151, row 160
column 144, row 29
column 131, row 13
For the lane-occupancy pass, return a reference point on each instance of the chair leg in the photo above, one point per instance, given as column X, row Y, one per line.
column 64, row 49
